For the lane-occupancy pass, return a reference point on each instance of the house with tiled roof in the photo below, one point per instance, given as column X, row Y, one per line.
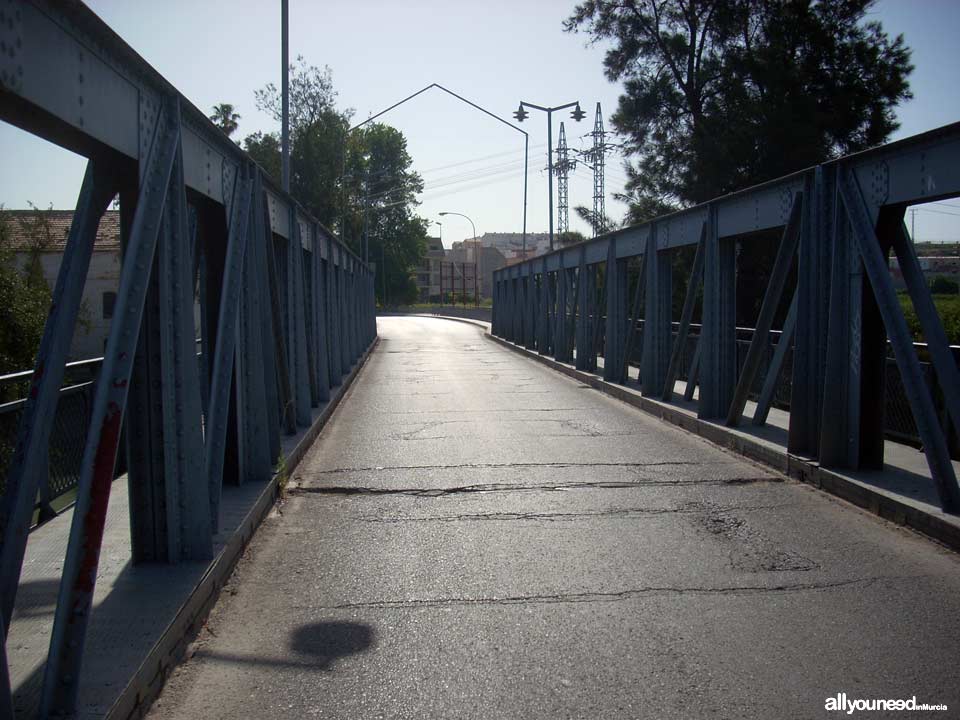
column 47, row 232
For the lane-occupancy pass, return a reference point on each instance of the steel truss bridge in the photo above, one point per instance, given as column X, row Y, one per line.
column 839, row 223
column 287, row 309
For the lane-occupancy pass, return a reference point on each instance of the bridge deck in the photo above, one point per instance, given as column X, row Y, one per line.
column 477, row 536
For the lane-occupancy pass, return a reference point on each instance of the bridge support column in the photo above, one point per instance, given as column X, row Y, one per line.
column 813, row 300
column 561, row 344
column 614, row 342
column 657, row 329
column 543, row 335
column 718, row 340
column 683, row 331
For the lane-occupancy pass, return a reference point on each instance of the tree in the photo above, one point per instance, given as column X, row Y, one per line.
column 719, row 95
column 225, row 118
column 571, row 237
column 311, row 95
column 346, row 179
column 24, row 293
column 264, row 148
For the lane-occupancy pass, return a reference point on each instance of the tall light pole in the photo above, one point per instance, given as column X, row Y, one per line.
column 476, row 256
column 521, row 114
column 463, row 216
column 285, row 96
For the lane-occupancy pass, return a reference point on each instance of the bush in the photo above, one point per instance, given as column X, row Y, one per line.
column 942, row 285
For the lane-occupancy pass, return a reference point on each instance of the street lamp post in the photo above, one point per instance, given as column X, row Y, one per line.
column 521, row 114
column 476, row 257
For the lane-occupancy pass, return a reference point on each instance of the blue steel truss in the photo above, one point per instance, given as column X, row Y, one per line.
column 286, row 309
column 839, row 222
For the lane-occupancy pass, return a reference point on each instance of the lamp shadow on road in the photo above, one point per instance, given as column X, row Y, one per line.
column 326, row 642
column 312, row 646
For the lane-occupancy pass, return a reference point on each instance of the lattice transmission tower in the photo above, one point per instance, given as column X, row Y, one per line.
column 594, row 158
column 562, row 168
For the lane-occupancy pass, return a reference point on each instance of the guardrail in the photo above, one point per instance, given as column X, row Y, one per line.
column 285, row 310
column 838, row 224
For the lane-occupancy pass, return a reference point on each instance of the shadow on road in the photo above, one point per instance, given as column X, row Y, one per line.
column 322, row 642
column 327, row 641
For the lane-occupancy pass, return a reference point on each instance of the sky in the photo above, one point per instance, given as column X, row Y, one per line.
column 495, row 53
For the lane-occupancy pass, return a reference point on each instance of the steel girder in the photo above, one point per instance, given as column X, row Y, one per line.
column 840, row 221
column 191, row 426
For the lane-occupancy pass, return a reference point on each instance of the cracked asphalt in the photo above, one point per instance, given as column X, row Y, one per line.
column 476, row 536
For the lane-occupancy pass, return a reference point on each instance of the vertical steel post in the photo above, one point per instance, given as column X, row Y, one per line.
column 62, row 673
column 298, row 327
column 561, row 344
column 631, row 338
column 320, row 314
column 718, row 340
column 840, row 404
column 261, row 251
column 543, row 342
column 224, row 353
column 253, row 421
column 657, row 327
column 583, row 334
column 921, row 404
column 332, row 316
column 686, row 315
column 813, row 297
column 614, row 345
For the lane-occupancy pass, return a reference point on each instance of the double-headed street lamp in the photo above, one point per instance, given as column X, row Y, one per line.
column 521, row 114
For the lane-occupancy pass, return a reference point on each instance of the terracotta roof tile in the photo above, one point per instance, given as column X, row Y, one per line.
column 20, row 224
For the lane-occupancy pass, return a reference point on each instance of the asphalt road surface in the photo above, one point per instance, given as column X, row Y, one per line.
column 477, row 536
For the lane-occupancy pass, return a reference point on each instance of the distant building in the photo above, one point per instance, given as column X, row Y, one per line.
column 487, row 258
column 103, row 278
column 932, row 266
column 428, row 272
column 511, row 245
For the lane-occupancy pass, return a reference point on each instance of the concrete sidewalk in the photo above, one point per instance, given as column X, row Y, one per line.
column 142, row 614
column 477, row 536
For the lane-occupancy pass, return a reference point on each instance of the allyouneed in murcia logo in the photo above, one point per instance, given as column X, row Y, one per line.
column 841, row 703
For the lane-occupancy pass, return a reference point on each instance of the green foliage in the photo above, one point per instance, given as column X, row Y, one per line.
column 361, row 182
column 264, row 148
column 942, row 285
column 24, row 294
column 948, row 308
column 719, row 96
column 225, row 118
column 571, row 237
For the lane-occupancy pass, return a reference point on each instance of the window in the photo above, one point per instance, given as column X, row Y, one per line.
column 109, row 300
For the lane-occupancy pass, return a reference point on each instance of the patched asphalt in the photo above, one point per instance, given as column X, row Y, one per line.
column 477, row 536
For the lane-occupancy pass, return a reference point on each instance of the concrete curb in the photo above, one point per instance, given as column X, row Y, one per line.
column 148, row 681
column 799, row 468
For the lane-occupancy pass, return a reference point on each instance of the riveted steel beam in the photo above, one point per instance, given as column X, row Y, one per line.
column 686, row 316
column 771, row 301
column 921, row 404
column 221, row 388
column 657, row 308
column 26, row 471
column 718, row 339
column 62, row 674
column 776, row 364
column 614, row 342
